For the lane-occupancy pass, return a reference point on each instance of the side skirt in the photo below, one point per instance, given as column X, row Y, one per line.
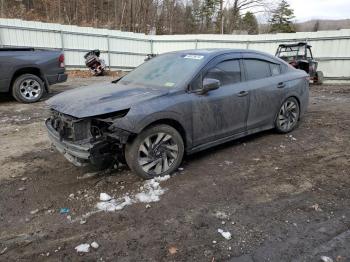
column 227, row 139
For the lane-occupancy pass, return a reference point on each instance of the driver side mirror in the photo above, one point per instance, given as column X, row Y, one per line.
column 209, row 84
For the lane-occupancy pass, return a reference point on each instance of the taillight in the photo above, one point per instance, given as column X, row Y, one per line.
column 61, row 60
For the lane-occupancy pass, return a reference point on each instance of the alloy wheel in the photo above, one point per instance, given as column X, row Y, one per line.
column 30, row 89
column 288, row 115
column 157, row 153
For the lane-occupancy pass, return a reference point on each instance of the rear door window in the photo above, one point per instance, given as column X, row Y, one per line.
column 257, row 69
column 227, row 72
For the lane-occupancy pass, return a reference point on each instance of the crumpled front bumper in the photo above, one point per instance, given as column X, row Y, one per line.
column 78, row 154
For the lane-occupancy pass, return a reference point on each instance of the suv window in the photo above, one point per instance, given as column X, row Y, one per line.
column 227, row 72
column 257, row 69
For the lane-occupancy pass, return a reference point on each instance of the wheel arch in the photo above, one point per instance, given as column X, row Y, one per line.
column 284, row 100
column 28, row 70
column 170, row 122
column 296, row 98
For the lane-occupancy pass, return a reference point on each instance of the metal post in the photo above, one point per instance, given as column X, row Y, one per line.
column 247, row 45
column 1, row 43
column 109, row 52
column 62, row 41
column 196, row 44
column 152, row 47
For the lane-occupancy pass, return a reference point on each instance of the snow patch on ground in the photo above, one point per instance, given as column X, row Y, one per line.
column 226, row 235
column 105, row 197
column 115, row 204
column 83, row 248
column 149, row 192
column 326, row 259
column 95, row 245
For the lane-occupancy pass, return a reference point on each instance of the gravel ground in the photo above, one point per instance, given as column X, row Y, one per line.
column 282, row 197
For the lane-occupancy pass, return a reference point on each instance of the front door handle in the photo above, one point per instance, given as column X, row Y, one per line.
column 281, row 85
column 242, row 93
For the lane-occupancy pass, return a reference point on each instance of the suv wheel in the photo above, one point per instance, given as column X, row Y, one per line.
column 157, row 151
column 28, row 88
column 288, row 115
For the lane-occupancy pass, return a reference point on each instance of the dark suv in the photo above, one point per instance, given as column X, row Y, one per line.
column 177, row 103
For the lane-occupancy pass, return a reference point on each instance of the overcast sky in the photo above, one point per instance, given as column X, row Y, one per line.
column 325, row 9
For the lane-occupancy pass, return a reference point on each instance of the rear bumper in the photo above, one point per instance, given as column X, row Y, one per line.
column 78, row 154
column 57, row 78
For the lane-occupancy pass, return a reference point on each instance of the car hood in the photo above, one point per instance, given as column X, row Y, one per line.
column 101, row 99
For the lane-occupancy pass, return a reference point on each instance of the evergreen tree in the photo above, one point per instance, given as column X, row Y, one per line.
column 281, row 20
column 189, row 20
column 250, row 24
column 208, row 10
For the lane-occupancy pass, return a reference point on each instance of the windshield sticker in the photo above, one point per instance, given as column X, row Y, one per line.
column 169, row 84
column 196, row 57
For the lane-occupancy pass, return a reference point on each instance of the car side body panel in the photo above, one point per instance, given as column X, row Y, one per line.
column 221, row 112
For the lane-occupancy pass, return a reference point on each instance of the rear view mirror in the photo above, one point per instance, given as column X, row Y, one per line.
column 209, row 84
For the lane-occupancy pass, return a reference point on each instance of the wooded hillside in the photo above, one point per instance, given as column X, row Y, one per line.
column 161, row 16
column 147, row 16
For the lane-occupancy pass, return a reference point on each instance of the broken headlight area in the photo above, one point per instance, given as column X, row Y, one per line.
column 70, row 128
column 78, row 129
column 87, row 139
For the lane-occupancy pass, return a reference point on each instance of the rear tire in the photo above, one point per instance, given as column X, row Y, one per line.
column 156, row 151
column 28, row 88
column 287, row 116
column 319, row 78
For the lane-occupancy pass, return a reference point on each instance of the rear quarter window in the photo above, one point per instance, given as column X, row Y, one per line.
column 275, row 69
column 257, row 69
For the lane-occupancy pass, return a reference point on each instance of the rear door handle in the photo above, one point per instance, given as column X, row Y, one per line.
column 281, row 85
column 242, row 93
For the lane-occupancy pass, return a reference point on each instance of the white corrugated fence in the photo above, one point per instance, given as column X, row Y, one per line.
column 126, row 50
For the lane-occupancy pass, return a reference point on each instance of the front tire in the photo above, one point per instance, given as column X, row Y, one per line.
column 28, row 88
column 288, row 116
column 157, row 151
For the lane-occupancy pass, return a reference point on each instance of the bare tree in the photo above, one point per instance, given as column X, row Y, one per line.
column 239, row 7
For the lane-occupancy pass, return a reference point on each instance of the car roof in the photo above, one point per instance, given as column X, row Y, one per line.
column 213, row 52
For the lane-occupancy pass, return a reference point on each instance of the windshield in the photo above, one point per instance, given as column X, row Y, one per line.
column 290, row 53
column 166, row 71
